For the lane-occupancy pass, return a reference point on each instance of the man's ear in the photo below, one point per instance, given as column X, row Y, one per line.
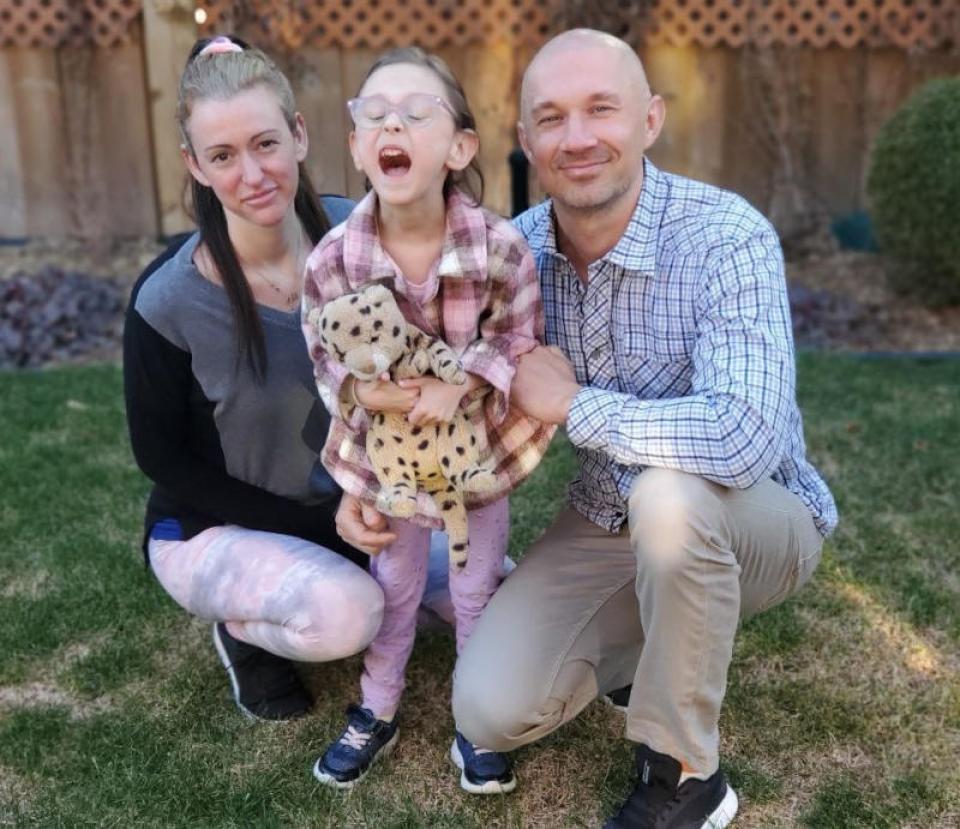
column 656, row 116
column 300, row 141
column 525, row 146
column 191, row 161
column 464, row 148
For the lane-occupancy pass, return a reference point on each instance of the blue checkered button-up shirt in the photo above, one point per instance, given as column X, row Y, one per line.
column 682, row 342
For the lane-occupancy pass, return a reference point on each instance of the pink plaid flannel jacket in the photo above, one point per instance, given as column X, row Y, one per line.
column 487, row 309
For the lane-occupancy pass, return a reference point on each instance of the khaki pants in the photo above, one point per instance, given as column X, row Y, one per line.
column 657, row 604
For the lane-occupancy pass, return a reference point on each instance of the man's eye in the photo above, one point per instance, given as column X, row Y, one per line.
column 601, row 108
column 546, row 120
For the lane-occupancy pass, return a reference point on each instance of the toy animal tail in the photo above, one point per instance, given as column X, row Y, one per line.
column 454, row 515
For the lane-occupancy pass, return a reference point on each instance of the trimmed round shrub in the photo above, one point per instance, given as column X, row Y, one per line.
column 914, row 190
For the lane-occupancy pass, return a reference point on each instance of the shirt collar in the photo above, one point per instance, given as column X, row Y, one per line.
column 636, row 249
column 462, row 256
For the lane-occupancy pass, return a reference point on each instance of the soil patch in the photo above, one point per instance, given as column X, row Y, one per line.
column 840, row 300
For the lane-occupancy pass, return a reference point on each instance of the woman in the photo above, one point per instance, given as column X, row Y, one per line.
column 221, row 401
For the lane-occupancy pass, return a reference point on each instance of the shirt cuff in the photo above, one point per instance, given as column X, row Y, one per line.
column 587, row 419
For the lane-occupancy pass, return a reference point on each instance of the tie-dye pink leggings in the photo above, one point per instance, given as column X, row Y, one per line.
column 281, row 593
column 402, row 571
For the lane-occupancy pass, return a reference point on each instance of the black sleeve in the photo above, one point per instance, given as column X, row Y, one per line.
column 158, row 383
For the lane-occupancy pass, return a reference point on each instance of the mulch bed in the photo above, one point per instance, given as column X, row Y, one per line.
column 841, row 300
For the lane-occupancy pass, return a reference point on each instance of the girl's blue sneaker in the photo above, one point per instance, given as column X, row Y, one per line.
column 364, row 741
column 482, row 771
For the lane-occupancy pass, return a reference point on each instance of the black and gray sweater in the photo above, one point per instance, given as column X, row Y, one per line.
column 220, row 447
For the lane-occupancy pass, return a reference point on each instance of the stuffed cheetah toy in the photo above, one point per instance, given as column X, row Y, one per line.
column 366, row 332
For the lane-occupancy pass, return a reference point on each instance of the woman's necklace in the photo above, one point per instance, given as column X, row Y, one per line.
column 288, row 298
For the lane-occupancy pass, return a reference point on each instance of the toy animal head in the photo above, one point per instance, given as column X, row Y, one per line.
column 365, row 330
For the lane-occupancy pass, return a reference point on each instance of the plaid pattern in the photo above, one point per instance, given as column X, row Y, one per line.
column 683, row 343
column 486, row 307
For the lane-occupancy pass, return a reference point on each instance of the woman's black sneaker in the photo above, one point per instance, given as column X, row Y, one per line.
column 619, row 699
column 657, row 802
column 265, row 686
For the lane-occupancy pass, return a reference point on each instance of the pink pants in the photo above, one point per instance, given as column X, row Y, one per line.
column 401, row 570
column 281, row 593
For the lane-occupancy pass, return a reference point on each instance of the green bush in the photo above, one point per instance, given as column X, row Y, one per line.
column 914, row 190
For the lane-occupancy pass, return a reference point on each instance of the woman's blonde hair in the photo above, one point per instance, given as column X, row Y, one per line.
column 220, row 75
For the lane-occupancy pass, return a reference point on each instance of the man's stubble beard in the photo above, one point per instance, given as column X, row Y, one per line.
column 591, row 206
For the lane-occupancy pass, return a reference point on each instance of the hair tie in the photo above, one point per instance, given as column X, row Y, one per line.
column 220, row 44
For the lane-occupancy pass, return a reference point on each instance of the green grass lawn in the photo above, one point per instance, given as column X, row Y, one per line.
column 843, row 707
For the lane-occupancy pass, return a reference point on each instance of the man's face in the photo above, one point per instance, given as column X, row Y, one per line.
column 585, row 125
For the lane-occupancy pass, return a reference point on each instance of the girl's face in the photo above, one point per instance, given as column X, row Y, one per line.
column 407, row 158
column 244, row 150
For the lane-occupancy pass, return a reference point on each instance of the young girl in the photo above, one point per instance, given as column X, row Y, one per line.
column 464, row 275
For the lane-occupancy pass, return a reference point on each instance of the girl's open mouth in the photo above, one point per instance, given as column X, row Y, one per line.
column 394, row 161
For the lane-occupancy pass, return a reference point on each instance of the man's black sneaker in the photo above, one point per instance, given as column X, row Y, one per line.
column 364, row 741
column 657, row 802
column 619, row 699
column 481, row 771
column 265, row 686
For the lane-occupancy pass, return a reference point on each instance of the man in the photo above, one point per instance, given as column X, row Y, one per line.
column 670, row 363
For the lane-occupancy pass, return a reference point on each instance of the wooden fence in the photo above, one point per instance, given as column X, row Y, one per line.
column 88, row 144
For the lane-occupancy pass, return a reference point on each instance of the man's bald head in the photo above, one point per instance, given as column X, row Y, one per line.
column 578, row 40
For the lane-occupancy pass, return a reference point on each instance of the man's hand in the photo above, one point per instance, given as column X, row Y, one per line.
column 438, row 401
column 383, row 395
column 362, row 526
column 544, row 385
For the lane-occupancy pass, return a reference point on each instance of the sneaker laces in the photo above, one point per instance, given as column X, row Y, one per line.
column 355, row 738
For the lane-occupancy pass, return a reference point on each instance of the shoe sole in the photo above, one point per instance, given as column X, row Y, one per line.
column 346, row 785
column 490, row 787
column 620, row 709
column 723, row 815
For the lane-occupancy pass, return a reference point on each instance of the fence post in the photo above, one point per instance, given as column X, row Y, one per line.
column 169, row 32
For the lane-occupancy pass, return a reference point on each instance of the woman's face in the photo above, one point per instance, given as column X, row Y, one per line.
column 245, row 151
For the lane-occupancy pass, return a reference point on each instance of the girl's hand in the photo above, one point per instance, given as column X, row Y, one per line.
column 383, row 395
column 438, row 401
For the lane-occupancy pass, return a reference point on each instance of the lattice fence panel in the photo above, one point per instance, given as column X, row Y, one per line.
column 908, row 24
column 434, row 24
column 53, row 23
column 377, row 24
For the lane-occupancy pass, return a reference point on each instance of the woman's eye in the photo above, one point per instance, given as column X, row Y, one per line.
column 219, row 158
column 269, row 142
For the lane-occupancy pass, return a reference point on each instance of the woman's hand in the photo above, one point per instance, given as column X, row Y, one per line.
column 438, row 401
column 362, row 526
column 383, row 395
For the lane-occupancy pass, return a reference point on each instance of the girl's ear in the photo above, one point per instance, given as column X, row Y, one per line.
column 300, row 142
column 354, row 152
column 191, row 161
column 463, row 149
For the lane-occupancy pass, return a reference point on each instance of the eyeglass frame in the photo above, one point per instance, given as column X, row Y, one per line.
column 395, row 108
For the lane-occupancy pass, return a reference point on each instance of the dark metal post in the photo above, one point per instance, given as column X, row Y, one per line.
column 519, row 182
